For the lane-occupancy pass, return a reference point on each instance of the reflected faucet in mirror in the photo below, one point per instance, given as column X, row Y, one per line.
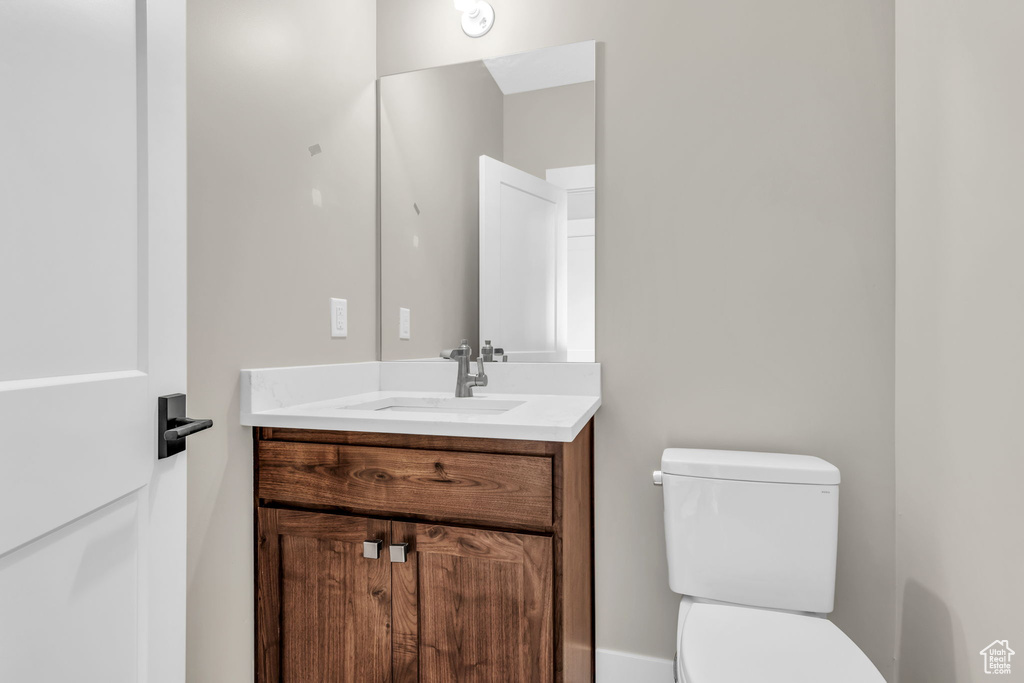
column 490, row 354
column 465, row 382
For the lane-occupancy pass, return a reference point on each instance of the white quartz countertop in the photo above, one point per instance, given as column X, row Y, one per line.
column 533, row 401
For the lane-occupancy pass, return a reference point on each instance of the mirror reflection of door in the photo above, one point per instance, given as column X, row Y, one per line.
column 449, row 253
column 523, row 263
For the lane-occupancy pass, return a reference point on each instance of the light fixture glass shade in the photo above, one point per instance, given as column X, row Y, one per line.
column 477, row 17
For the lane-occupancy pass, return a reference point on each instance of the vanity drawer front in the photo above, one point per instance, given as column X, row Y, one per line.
column 506, row 490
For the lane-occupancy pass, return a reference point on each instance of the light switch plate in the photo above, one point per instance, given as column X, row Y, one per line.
column 404, row 324
column 339, row 318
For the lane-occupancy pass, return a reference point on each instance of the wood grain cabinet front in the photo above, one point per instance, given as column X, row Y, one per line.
column 475, row 488
column 323, row 610
column 491, row 578
column 472, row 605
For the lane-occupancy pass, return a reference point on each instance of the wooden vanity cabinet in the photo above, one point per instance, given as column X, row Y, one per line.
column 497, row 582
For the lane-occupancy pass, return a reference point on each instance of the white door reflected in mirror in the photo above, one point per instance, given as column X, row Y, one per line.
column 523, row 263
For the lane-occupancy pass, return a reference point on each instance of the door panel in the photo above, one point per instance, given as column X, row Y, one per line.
column 473, row 605
column 70, row 112
column 523, row 263
column 92, row 331
column 71, row 445
column 86, row 573
column 325, row 610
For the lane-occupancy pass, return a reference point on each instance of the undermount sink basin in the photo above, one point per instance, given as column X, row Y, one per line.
column 455, row 406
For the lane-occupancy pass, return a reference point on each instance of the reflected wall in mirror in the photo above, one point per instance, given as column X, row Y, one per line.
column 487, row 207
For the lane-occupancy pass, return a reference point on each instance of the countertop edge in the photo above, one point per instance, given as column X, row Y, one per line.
column 559, row 434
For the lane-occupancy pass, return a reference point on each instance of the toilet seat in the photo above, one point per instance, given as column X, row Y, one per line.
column 732, row 644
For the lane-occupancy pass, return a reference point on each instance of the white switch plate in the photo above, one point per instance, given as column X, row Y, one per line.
column 404, row 325
column 339, row 318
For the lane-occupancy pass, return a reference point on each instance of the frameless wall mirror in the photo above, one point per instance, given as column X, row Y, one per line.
column 487, row 207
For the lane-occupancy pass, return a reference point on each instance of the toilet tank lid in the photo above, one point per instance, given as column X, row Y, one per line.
column 780, row 468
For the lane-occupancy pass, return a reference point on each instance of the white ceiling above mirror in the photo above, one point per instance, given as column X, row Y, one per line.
column 551, row 67
column 487, row 196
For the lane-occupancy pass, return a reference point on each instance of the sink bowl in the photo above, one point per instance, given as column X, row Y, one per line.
column 452, row 406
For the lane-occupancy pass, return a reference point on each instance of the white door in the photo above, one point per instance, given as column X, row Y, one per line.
column 523, row 263
column 92, row 331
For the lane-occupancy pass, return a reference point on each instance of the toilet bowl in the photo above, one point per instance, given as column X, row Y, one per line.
column 751, row 541
column 719, row 643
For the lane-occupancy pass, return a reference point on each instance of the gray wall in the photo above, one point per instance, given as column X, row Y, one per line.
column 265, row 82
column 959, row 336
column 434, row 126
column 744, row 261
column 550, row 128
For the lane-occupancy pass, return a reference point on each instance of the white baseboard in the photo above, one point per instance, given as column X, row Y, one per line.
column 626, row 667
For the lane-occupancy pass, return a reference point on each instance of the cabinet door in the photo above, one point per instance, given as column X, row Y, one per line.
column 323, row 610
column 472, row 605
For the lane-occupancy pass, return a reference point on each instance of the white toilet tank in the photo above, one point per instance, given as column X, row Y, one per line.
column 756, row 529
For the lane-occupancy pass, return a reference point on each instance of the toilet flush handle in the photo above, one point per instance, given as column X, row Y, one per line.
column 657, row 478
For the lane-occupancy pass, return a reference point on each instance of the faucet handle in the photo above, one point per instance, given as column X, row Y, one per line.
column 481, row 376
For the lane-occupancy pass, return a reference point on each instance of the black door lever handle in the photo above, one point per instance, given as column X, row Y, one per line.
column 185, row 426
column 172, row 426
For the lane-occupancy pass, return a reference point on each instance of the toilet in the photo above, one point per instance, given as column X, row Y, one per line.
column 751, row 540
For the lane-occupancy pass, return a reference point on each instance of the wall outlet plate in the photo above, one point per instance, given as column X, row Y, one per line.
column 339, row 318
column 404, row 324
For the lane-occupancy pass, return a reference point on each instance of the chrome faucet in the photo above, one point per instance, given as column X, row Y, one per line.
column 465, row 382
